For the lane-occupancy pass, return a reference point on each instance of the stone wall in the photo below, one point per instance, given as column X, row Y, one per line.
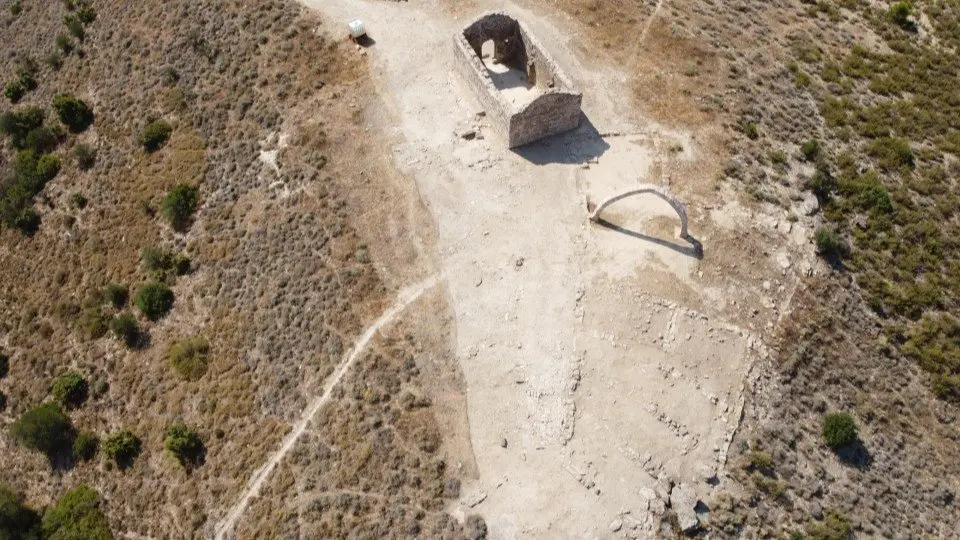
column 555, row 110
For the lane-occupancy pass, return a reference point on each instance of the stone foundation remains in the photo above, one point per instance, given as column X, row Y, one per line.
column 554, row 106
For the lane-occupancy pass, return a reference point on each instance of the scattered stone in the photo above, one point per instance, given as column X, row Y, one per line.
column 519, row 262
column 616, row 525
column 503, row 442
column 468, row 134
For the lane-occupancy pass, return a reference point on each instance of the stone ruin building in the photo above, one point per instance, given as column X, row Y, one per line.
column 526, row 95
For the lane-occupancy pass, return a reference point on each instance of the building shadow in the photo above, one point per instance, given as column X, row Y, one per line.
column 571, row 148
column 695, row 249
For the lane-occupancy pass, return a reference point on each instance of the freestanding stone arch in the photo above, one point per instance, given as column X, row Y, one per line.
column 652, row 190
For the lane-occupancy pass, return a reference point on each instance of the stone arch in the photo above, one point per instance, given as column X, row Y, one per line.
column 652, row 190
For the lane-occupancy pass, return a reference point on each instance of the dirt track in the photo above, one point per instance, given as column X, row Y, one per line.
column 596, row 354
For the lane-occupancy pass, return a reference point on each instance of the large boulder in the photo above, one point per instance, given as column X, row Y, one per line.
column 683, row 501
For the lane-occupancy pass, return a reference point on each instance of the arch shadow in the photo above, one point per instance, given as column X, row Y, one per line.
column 695, row 249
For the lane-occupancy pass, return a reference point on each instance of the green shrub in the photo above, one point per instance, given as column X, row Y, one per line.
column 751, row 131
column 189, row 357
column 184, row 444
column 64, row 44
column 179, row 205
column 829, row 244
column 48, row 167
column 154, row 135
column 823, row 184
column 3, row 401
column 810, row 149
column 16, row 8
column 4, row 365
column 78, row 201
column 41, row 139
column 116, row 295
column 14, row 91
column 164, row 265
column 154, row 300
column 54, row 60
column 73, row 112
column 85, row 446
column 77, row 515
column 85, row 155
column 835, row 526
column 900, row 13
column 839, row 429
column 17, row 520
column 126, row 329
column 75, row 27
column 44, row 428
column 122, row 447
column 891, row 154
column 69, row 389
column 933, row 343
column 86, row 14
column 779, row 157
column 17, row 124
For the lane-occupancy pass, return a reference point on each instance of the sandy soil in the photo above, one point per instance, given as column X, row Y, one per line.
column 600, row 364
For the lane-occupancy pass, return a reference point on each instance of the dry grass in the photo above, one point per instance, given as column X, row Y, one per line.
column 278, row 286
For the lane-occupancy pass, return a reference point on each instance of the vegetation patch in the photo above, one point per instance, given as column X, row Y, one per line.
column 184, row 444
column 839, row 429
column 44, row 428
column 70, row 389
column 189, row 357
column 73, row 112
column 155, row 135
column 122, row 447
column 126, row 328
column 77, row 515
column 155, row 300
column 179, row 205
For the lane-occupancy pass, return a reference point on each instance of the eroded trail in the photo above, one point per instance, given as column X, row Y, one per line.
column 404, row 298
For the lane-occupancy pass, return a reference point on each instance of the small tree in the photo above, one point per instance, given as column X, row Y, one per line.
column 75, row 27
column 70, row 389
column 42, row 139
column 126, row 329
column 179, row 205
column 76, row 515
column 48, row 167
column 154, row 300
column 839, row 429
column 14, row 91
column 85, row 446
column 189, row 357
column 64, row 44
column 17, row 520
column 154, row 135
column 829, row 244
column 116, row 295
column 45, row 428
column 73, row 112
column 900, row 13
column 810, row 150
column 85, row 155
column 122, row 447
column 184, row 444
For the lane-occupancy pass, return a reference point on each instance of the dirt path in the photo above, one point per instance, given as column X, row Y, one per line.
column 405, row 297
